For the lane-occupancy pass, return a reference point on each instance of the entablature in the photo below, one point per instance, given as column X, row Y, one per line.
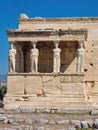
column 46, row 35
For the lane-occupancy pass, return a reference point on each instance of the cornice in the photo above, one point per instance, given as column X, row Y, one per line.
column 57, row 20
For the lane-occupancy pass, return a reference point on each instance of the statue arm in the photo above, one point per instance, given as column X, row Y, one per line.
column 15, row 52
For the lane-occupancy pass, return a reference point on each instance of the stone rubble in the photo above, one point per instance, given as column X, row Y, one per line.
column 41, row 121
column 19, row 123
column 51, row 122
column 62, row 122
column 84, row 124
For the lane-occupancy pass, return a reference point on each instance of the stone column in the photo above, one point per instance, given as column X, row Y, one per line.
column 34, row 57
column 56, row 57
column 19, row 59
column 12, row 58
column 80, row 57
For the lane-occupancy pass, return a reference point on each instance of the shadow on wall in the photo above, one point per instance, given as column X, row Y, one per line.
column 68, row 55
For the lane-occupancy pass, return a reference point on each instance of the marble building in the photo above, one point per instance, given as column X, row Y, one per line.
column 53, row 63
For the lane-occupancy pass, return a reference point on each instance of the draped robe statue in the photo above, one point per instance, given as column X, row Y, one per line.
column 56, row 59
column 34, row 58
column 80, row 58
column 12, row 59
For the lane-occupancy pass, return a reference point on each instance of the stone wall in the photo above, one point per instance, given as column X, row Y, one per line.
column 46, row 90
column 61, row 84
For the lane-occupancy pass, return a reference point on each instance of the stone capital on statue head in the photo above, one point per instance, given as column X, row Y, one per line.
column 81, row 44
column 56, row 42
column 34, row 43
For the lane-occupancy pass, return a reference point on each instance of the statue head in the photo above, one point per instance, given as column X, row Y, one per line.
column 81, row 44
column 56, row 42
column 11, row 45
column 56, row 45
column 34, row 45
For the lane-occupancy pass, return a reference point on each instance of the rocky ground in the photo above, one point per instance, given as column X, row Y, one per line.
column 45, row 121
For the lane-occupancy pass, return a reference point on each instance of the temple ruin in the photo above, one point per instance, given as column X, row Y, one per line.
column 53, row 63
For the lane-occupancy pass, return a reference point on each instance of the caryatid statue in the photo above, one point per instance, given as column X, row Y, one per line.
column 12, row 59
column 34, row 58
column 56, row 57
column 80, row 57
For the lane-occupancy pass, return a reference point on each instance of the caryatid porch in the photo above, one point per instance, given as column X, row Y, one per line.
column 53, row 54
column 56, row 70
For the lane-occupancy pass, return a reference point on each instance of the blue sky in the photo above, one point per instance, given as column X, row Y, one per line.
column 10, row 11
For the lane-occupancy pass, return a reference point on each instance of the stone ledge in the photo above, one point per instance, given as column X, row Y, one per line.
column 17, row 110
column 67, row 19
column 68, row 107
column 44, row 74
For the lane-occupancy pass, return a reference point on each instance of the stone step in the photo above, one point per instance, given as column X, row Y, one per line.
column 53, row 105
column 48, row 100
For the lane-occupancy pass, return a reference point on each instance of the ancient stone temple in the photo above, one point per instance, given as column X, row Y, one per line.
column 53, row 64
